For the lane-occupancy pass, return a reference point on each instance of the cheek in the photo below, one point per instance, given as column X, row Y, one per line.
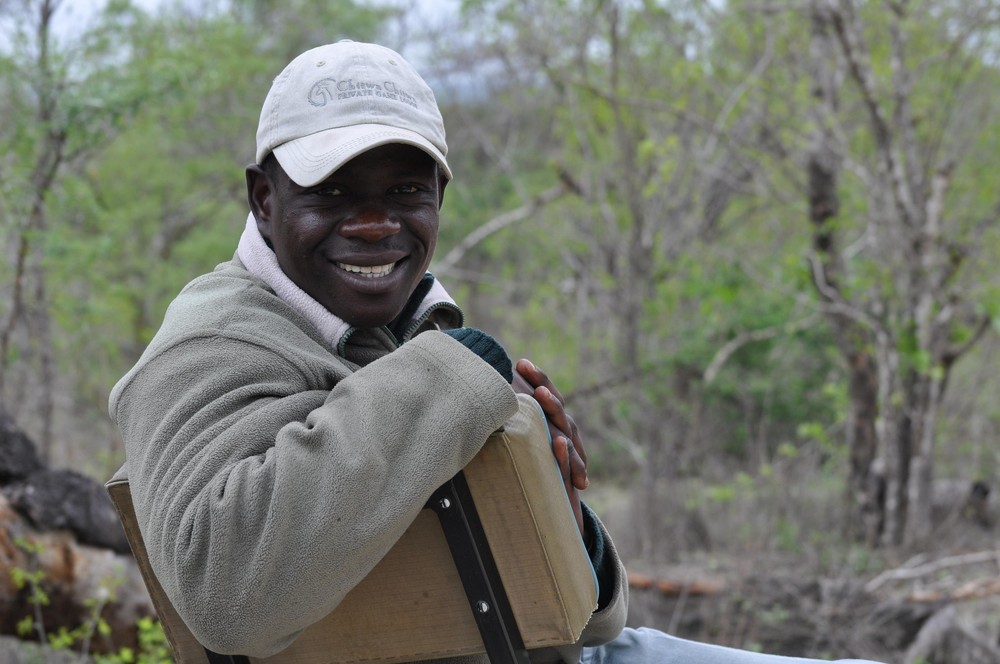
column 429, row 242
column 432, row 240
column 303, row 234
column 428, row 232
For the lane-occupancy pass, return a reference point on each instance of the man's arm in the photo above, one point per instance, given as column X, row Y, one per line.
column 264, row 498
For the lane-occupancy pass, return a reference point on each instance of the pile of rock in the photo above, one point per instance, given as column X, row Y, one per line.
column 75, row 541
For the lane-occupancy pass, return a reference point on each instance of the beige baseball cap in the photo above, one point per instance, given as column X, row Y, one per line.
column 334, row 102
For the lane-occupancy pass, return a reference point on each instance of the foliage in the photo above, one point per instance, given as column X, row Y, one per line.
column 627, row 289
column 153, row 647
column 32, row 579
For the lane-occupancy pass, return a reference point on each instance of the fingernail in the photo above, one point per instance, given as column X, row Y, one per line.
column 529, row 363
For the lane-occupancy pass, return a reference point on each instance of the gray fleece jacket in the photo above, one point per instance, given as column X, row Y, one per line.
column 270, row 473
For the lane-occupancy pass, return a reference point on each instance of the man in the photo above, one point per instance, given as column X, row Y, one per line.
column 301, row 402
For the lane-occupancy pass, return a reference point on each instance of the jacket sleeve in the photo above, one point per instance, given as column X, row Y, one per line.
column 264, row 496
column 608, row 620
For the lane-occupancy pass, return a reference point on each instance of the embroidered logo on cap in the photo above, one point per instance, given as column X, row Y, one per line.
column 326, row 90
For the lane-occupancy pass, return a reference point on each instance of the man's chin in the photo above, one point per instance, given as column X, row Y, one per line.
column 369, row 317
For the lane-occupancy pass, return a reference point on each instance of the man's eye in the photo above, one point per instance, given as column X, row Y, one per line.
column 406, row 189
column 330, row 191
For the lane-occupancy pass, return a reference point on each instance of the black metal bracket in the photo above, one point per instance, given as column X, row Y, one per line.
column 463, row 530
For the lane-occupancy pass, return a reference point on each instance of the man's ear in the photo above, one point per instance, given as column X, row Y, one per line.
column 442, row 183
column 259, row 193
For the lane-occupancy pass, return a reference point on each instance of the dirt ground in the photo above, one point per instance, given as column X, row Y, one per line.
column 824, row 597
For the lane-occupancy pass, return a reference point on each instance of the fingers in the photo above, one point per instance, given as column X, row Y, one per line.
column 578, row 470
column 571, row 466
column 554, row 409
column 561, row 447
column 521, row 385
column 536, row 377
column 561, row 423
column 555, row 412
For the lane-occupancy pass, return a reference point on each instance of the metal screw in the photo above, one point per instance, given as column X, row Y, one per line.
column 482, row 606
column 445, row 503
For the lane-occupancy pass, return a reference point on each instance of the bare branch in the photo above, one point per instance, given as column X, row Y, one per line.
column 849, row 33
column 744, row 338
column 834, row 302
column 500, row 222
column 905, row 573
column 738, row 92
column 951, row 355
column 989, row 587
column 902, row 80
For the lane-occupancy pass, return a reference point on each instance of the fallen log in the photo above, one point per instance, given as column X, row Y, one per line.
column 676, row 587
column 917, row 567
column 977, row 589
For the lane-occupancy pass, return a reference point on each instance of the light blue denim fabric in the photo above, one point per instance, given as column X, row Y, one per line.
column 649, row 646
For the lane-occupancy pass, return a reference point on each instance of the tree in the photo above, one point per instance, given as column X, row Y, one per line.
column 903, row 92
column 63, row 103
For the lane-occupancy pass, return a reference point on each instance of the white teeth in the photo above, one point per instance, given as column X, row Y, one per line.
column 370, row 271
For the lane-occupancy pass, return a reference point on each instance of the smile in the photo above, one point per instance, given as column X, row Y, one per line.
column 369, row 271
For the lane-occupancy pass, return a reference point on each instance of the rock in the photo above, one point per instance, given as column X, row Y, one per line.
column 67, row 500
column 55, row 499
column 18, row 456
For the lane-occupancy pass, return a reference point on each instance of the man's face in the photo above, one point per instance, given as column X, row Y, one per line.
column 360, row 241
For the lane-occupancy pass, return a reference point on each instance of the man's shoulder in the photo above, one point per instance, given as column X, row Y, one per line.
column 218, row 320
column 230, row 303
column 229, row 298
column 228, row 285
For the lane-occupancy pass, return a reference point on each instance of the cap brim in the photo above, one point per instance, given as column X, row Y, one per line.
column 311, row 159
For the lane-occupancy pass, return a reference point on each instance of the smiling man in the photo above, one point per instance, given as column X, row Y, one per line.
column 301, row 402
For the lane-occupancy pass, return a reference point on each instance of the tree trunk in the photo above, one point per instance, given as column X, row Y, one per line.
column 865, row 487
column 32, row 314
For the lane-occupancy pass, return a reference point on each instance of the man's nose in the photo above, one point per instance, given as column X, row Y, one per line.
column 370, row 223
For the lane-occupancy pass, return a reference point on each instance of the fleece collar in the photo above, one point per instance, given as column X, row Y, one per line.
column 260, row 261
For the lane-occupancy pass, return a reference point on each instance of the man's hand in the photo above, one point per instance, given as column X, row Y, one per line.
column 566, row 443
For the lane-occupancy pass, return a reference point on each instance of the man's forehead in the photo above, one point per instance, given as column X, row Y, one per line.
column 392, row 158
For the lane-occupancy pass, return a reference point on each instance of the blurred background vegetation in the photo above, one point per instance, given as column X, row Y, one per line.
column 754, row 242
